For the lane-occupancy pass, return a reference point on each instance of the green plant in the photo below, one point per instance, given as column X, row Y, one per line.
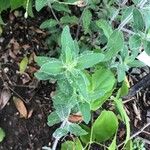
column 138, row 144
column 80, row 90
column 86, row 78
column 2, row 134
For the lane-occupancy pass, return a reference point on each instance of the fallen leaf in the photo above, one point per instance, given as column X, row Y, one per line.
column 4, row 97
column 20, row 107
column 26, row 46
column 23, row 65
column 75, row 118
column 25, row 78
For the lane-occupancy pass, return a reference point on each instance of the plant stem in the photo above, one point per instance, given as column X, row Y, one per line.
column 58, row 138
column 53, row 13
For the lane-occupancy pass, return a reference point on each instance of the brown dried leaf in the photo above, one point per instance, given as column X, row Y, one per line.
column 20, row 107
column 75, row 118
column 25, row 78
column 4, row 97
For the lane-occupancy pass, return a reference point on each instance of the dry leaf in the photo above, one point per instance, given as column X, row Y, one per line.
column 4, row 97
column 25, row 78
column 20, row 107
column 75, row 118
column 80, row 3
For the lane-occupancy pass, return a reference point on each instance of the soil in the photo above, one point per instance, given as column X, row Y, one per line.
column 22, row 37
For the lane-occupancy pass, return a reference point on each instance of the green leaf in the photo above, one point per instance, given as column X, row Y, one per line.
column 39, row 4
column 4, row 5
column 80, row 82
column 121, row 72
column 61, row 8
column 60, row 132
column 124, row 116
column 105, row 126
column 89, row 59
column 105, row 26
column 72, row 145
column 2, row 134
column 146, row 14
column 134, row 42
column 48, row 24
column 23, row 64
column 114, row 45
column 69, row 20
column 86, row 19
column 53, row 67
column 124, row 88
column 102, row 81
column 16, row 3
column 53, row 119
column 96, row 104
column 136, row 63
column 113, row 144
column 1, row 22
column 85, row 111
column 68, row 45
column 76, row 130
column 41, row 60
column 138, row 21
column 42, row 76
column 147, row 47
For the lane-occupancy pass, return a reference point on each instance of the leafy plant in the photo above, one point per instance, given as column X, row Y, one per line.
column 138, row 144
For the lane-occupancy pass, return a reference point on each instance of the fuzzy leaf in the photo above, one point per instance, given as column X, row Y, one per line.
column 85, row 110
column 53, row 119
column 48, row 24
column 76, row 129
column 41, row 60
column 39, row 4
column 60, row 132
column 114, row 45
column 138, row 20
column 52, row 67
column 42, row 76
column 89, row 59
column 105, row 26
column 86, row 19
column 68, row 45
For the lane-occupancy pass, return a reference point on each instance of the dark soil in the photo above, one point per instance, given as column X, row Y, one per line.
column 21, row 38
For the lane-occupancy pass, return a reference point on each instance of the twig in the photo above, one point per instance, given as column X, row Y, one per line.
column 78, row 28
column 53, row 13
column 136, row 134
column 140, row 131
column 128, row 31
